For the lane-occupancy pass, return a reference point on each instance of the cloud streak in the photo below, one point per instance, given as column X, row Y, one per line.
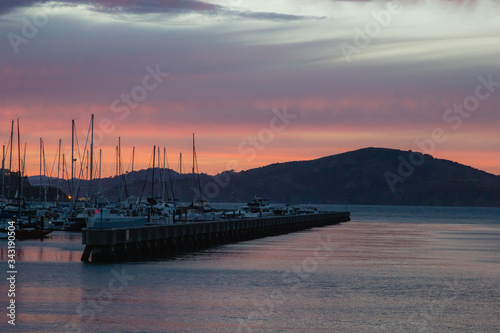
column 119, row 6
column 157, row 7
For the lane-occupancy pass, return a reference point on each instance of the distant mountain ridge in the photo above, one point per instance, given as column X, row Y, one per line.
column 362, row 176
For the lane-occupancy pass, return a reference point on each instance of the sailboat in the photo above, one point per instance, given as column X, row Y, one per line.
column 77, row 218
column 199, row 210
column 162, row 209
column 79, row 211
column 23, row 233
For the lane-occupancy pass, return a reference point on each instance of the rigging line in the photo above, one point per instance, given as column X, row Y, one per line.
column 82, row 159
column 84, row 150
column 129, row 166
column 45, row 165
column 65, row 168
column 146, row 178
column 124, row 176
column 9, row 146
column 179, row 175
column 170, row 177
column 198, row 172
column 164, row 174
column 53, row 164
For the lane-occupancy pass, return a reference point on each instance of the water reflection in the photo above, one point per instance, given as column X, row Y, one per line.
column 383, row 276
column 57, row 247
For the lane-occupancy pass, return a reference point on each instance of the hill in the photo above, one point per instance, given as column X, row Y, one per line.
column 370, row 176
column 375, row 176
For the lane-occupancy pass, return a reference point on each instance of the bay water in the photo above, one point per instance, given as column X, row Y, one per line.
column 390, row 269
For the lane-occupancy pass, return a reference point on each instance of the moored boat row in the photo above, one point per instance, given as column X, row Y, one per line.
column 146, row 211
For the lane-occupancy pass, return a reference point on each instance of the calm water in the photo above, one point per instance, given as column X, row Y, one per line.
column 391, row 269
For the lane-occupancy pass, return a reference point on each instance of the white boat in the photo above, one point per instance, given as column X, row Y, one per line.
column 202, row 211
column 258, row 207
column 308, row 210
column 288, row 209
column 107, row 218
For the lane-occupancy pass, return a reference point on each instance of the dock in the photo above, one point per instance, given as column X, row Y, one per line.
column 161, row 241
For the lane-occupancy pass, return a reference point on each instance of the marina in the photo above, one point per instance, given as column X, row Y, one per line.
column 141, row 227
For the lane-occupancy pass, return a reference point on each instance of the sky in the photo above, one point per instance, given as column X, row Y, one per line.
column 257, row 82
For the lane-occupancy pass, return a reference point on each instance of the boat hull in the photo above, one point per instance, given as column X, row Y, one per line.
column 25, row 234
column 115, row 222
column 75, row 224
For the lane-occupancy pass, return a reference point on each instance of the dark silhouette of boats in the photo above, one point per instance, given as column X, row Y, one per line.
column 75, row 223
column 24, row 234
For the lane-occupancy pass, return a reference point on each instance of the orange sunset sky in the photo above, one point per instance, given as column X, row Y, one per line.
column 257, row 82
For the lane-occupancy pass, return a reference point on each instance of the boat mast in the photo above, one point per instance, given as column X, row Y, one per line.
column 153, row 180
column 44, row 169
column 116, row 161
column 192, row 185
column 40, row 185
column 160, row 172
column 169, row 176
column 132, row 172
column 180, row 173
column 71, row 183
column 150, row 217
column 3, row 175
column 87, row 173
column 19, row 162
column 100, row 161
column 58, row 168
column 91, row 157
column 62, row 191
column 10, row 160
column 164, row 186
column 195, row 159
column 116, row 172
column 23, row 168
column 120, row 185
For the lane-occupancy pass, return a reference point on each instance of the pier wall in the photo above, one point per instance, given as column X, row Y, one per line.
column 152, row 242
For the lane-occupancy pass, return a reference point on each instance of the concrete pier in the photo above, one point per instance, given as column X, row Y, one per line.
column 153, row 242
